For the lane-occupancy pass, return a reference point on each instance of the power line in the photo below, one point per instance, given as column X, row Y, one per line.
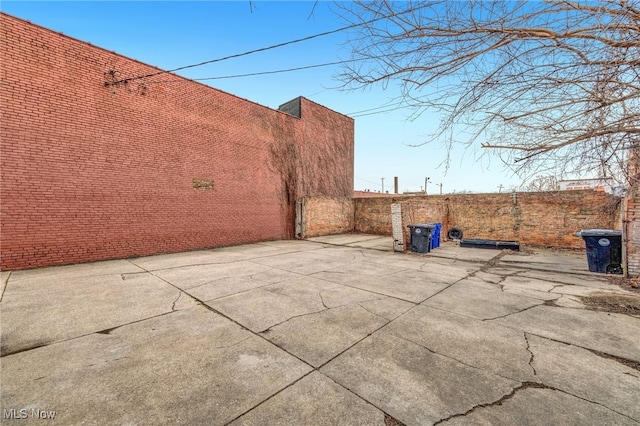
column 363, row 113
column 262, row 49
column 265, row 72
column 271, row 72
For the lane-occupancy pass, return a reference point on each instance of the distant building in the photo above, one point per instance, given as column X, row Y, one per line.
column 607, row 185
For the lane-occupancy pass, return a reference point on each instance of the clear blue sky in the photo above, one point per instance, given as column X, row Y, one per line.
column 173, row 34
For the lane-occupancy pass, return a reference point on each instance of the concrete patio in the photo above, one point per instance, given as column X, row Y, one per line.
column 329, row 331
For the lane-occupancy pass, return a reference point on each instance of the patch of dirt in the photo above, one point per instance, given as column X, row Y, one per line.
column 631, row 284
column 390, row 421
column 614, row 303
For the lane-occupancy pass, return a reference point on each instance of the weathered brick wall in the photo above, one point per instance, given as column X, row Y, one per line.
column 161, row 164
column 326, row 216
column 633, row 230
column 534, row 218
column 373, row 215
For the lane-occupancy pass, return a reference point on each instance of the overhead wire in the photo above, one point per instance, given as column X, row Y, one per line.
column 262, row 49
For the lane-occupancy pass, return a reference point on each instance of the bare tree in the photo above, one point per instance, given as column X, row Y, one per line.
column 553, row 86
column 543, row 183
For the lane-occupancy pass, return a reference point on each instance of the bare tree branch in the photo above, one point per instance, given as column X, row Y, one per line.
column 557, row 80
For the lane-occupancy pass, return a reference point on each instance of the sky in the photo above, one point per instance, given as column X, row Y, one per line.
column 170, row 35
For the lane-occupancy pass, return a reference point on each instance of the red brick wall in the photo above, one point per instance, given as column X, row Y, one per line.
column 533, row 218
column 160, row 164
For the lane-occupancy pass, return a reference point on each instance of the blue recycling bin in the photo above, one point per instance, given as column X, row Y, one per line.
column 421, row 234
column 435, row 235
column 604, row 250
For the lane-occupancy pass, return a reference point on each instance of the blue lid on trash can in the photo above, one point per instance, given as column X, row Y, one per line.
column 599, row 233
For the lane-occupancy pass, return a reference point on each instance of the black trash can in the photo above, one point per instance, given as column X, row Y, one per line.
column 421, row 237
column 604, row 250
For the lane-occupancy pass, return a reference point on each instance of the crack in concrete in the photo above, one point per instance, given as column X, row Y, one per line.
column 373, row 313
column 523, row 385
column 126, row 275
column 526, row 339
column 322, row 299
column 268, row 329
column 628, row 362
column 512, row 313
column 451, row 358
column 232, row 344
column 251, row 277
column 105, row 331
column 173, row 305
column 104, row 361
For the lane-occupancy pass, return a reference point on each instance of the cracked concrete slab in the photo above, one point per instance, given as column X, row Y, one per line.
column 187, row 277
column 380, row 243
column 451, row 250
column 530, row 287
column 69, row 306
column 305, row 263
column 566, row 301
column 368, row 241
column 58, row 273
column 267, row 306
column 534, row 406
column 576, row 290
column 410, row 285
column 547, row 261
column 584, row 374
column 475, row 298
column 387, row 307
column 353, row 271
column 186, row 367
column 410, row 382
column 615, row 334
column 592, row 280
column 314, row 400
column 133, row 353
column 489, row 278
column 496, row 349
column 237, row 284
column 319, row 337
column 345, row 239
column 189, row 258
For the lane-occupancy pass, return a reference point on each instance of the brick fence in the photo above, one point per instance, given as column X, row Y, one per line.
column 632, row 230
column 548, row 219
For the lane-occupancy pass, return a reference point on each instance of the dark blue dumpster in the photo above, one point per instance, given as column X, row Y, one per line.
column 421, row 237
column 604, row 250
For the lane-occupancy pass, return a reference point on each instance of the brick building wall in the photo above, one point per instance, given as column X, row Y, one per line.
column 534, row 218
column 95, row 166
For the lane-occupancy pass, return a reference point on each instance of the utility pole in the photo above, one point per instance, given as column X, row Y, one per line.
column 395, row 185
column 383, row 185
column 500, row 188
column 426, row 180
column 440, row 188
